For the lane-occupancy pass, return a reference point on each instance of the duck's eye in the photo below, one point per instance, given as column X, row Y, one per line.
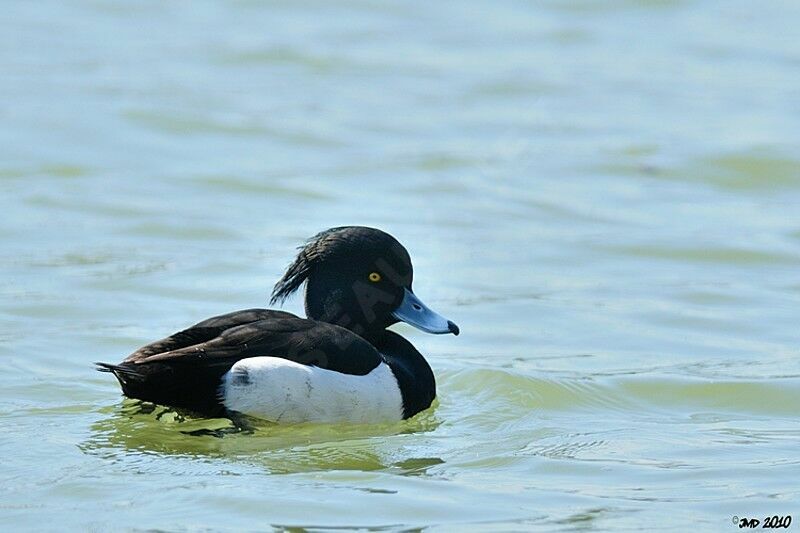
column 374, row 277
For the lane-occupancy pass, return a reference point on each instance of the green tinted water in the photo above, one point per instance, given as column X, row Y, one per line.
column 603, row 195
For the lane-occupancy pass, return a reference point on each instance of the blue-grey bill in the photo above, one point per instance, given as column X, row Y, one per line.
column 412, row 311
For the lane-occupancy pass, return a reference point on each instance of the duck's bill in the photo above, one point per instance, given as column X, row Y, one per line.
column 412, row 311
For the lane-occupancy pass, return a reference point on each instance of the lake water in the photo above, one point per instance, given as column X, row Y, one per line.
column 602, row 194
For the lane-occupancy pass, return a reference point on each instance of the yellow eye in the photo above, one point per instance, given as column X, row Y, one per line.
column 374, row 277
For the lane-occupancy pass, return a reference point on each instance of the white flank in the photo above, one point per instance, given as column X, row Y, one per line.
column 283, row 391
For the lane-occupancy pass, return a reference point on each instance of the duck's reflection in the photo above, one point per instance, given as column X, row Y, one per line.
column 145, row 428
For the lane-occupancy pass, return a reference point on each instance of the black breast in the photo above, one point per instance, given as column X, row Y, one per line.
column 414, row 375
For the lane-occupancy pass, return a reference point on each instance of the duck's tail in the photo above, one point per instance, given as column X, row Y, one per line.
column 104, row 367
column 183, row 387
column 122, row 372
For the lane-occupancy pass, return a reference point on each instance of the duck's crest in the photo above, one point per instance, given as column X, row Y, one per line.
column 321, row 248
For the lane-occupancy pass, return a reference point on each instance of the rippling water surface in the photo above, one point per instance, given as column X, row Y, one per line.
column 602, row 194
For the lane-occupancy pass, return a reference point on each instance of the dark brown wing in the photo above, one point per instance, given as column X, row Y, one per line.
column 185, row 369
column 204, row 331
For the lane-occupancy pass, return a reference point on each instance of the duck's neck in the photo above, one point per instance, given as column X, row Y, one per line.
column 375, row 337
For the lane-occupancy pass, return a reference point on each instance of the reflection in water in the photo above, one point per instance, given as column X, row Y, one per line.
column 141, row 427
column 585, row 520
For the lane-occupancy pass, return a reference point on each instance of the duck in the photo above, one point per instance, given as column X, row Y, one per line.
column 339, row 364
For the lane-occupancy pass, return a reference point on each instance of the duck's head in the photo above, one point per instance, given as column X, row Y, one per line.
column 359, row 278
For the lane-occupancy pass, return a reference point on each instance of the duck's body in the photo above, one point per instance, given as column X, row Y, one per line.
column 279, row 367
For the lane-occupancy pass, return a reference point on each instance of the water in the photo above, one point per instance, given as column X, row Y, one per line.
column 602, row 194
